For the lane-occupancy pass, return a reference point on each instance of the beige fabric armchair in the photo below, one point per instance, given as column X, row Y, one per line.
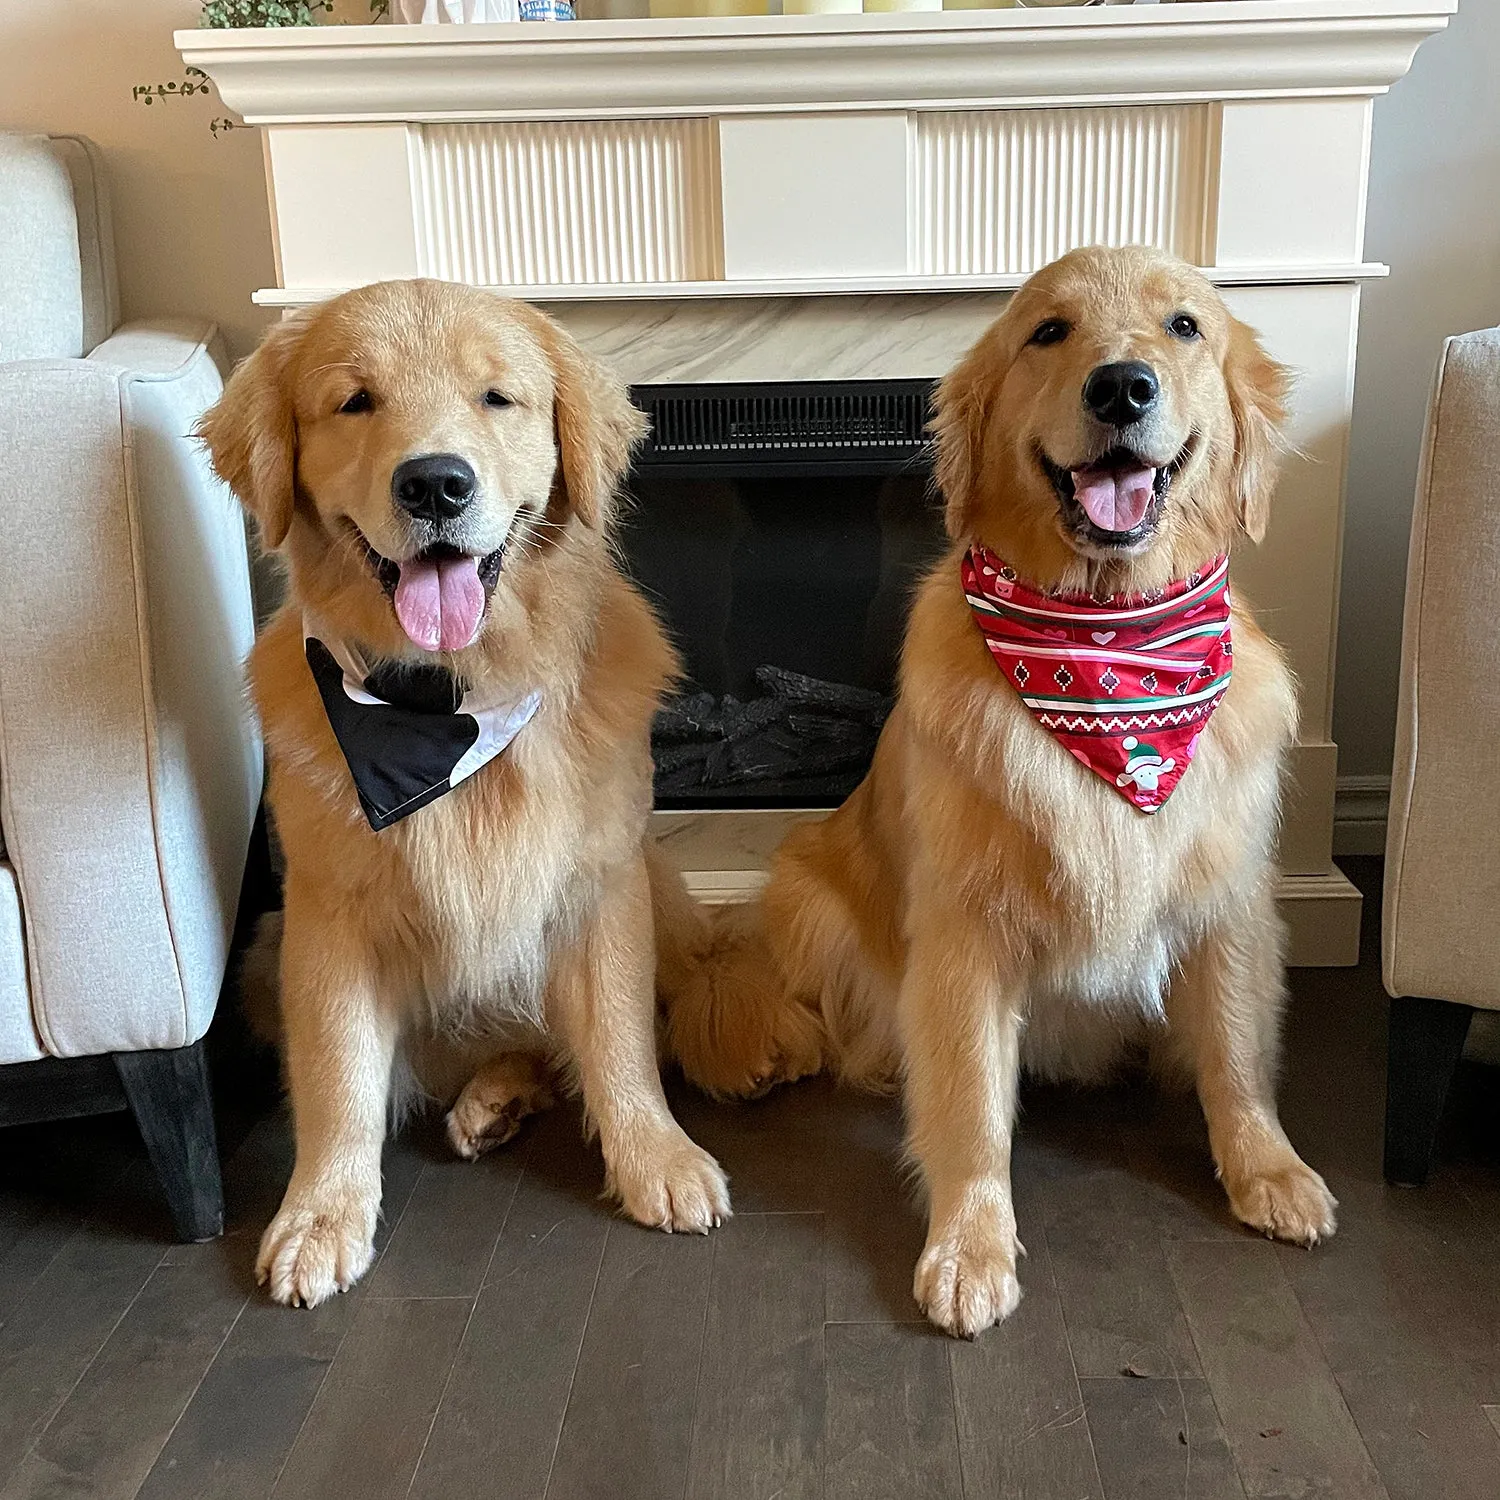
column 130, row 770
column 1441, row 932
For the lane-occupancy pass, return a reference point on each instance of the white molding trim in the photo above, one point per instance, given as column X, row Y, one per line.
column 1361, row 806
column 923, row 60
column 838, row 286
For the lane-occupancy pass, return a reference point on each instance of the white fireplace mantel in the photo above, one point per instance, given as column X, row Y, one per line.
column 810, row 155
column 967, row 59
column 841, row 197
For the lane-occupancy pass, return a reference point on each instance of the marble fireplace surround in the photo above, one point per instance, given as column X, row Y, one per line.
column 847, row 197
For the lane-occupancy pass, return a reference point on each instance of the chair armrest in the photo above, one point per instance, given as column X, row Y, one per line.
column 1442, row 880
column 129, row 767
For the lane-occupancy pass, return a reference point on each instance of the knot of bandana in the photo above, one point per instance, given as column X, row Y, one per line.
column 1123, row 684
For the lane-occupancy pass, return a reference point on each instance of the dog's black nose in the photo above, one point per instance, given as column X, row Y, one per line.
column 1121, row 394
column 436, row 487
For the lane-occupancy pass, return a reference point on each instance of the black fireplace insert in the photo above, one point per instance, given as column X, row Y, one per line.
column 779, row 529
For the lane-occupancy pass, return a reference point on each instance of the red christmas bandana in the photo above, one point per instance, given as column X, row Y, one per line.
column 1125, row 684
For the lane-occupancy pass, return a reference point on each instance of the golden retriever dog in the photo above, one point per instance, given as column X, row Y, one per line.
column 437, row 467
column 983, row 902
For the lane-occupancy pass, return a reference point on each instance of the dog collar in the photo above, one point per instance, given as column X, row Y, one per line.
column 409, row 734
column 1124, row 684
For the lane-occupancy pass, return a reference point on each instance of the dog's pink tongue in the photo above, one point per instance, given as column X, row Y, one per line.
column 1114, row 499
column 439, row 602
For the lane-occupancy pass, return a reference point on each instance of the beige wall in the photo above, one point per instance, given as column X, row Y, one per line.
column 1434, row 217
column 189, row 206
column 193, row 237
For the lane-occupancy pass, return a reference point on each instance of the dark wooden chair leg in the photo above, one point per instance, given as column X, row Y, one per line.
column 172, row 1103
column 1426, row 1042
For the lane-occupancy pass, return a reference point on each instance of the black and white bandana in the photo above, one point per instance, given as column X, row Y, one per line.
column 409, row 733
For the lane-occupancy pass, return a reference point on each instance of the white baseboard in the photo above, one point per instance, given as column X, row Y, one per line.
column 1360, row 805
column 724, row 856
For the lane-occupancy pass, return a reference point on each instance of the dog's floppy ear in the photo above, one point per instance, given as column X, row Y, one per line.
column 961, row 414
column 1258, row 389
column 251, row 433
column 597, row 428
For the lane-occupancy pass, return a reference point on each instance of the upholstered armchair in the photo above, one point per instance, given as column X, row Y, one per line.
column 130, row 771
column 1441, row 934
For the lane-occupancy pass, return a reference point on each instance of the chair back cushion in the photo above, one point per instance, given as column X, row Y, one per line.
column 1442, row 877
column 57, row 285
column 96, row 237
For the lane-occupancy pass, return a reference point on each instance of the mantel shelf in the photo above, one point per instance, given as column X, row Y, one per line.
column 843, row 286
column 1252, row 49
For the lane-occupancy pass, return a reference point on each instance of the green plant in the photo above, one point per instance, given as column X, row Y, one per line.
column 240, row 13
column 249, row 13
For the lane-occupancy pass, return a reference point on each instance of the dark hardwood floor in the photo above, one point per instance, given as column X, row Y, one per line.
column 516, row 1340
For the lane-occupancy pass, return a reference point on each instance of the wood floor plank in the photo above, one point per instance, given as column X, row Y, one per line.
column 108, row 1433
column 628, row 1429
column 776, row 1150
column 1404, row 1311
column 369, row 1422
column 874, row 1227
column 1157, row 1438
column 233, row 1439
column 1426, row 1437
column 54, row 1179
column 890, row 1423
column 447, row 1234
column 496, row 1431
column 759, row 1424
column 1117, row 1291
column 68, row 1314
column 1407, row 1277
column 30, row 1237
column 1281, row 1408
column 1022, row 1428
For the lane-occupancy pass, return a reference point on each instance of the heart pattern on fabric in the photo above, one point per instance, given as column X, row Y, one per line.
column 1102, row 637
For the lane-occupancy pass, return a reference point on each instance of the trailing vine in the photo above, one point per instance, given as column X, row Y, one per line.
column 194, row 81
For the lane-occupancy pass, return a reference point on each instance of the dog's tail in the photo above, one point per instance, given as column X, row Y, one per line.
column 730, row 1021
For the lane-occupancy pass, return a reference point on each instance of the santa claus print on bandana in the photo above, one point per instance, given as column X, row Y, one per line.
column 1124, row 684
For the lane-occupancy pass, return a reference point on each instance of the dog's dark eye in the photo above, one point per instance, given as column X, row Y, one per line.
column 1184, row 326
column 1053, row 331
column 496, row 398
column 358, row 402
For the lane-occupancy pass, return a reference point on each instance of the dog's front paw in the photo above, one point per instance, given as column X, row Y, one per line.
column 1289, row 1202
column 966, row 1278
column 316, row 1246
column 664, row 1181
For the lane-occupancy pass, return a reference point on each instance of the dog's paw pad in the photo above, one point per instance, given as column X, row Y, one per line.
column 1291, row 1203
column 672, row 1184
column 967, row 1283
column 310, row 1252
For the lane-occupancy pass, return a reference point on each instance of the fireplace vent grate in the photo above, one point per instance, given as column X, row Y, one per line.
column 854, row 426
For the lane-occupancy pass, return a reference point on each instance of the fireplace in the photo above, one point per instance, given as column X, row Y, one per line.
column 779, row 528
column 849, row 197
